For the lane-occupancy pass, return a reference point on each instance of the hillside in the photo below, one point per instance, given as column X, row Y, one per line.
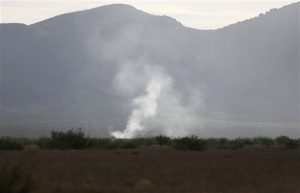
column 89, row 67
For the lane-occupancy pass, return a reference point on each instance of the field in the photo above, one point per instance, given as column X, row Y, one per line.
column 158, row 169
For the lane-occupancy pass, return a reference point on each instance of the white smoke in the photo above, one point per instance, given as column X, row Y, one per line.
column 175, row 118
column 157, row 106
column 145, row 108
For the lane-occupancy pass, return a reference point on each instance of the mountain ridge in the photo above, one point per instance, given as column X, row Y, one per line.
column 132, row 8
column 70, row 70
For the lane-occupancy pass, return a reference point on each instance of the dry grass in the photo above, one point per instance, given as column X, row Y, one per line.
column 161, row 170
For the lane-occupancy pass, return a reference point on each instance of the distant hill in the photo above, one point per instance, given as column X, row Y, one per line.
column 86, row 68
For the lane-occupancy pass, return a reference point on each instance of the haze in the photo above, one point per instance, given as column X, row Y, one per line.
column 119, row 71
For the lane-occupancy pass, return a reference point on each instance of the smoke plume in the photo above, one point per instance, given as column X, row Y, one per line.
column 157, row 108
column 145, row 108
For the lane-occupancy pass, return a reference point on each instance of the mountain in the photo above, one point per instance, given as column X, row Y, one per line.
column 91, row 67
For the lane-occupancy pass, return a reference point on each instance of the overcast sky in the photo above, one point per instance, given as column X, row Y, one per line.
column 201, row 14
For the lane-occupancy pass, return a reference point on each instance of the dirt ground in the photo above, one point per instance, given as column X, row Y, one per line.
column 160, row 170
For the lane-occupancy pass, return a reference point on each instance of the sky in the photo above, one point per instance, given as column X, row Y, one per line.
column 200, row 14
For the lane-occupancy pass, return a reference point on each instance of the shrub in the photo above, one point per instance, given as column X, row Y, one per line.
column 292, row 144
column 98, row 143
column 237, row 143
column 223, row 143
column 282, row 139
column 287, row 142
column 190, row 143
column 7, row 143
column 44, row 142
column 113, row 144
column 145, row 141
column 247, row 141
column 14, row 180
column 128, row 144
column 163, row 140
column 212, row 141
column 71, row 139
column 122, row 143
column 264, row 141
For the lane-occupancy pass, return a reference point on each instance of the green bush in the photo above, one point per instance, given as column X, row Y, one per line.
column 190, row 143
column 163, row 140
column 7, row 143
column 287, row 142
column 71, row 139
column 145, row 141
column 222, row 143
column 282, row 139
column 75, row 139
column 122, row 144
column 247, row 141
column 264, row 141
column 98, row 143
column 14, row 180
column 128, row 144
column 212, row 142
column 44, row 143
column 292, row 144
column 113, row 144
column 237, row 143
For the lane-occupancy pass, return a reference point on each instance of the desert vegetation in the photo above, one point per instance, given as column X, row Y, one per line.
column 76, row 139
column 70, row 161
column 15, row 180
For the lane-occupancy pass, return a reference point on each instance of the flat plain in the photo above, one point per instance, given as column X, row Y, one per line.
column 159, row 170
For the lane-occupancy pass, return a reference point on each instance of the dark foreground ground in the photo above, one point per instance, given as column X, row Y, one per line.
column 160, row 170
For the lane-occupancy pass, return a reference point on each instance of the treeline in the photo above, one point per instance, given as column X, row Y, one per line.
column 76, row 139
